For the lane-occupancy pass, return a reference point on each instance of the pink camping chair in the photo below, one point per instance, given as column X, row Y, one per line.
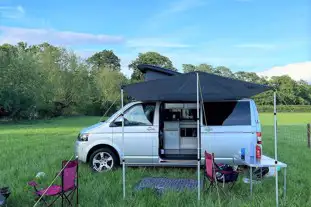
column 65, row 191
column 215, row 174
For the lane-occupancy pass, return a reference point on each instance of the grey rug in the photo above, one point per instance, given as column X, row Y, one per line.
column 160, row 185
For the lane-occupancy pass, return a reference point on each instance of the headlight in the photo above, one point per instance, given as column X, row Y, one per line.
column 83, row 137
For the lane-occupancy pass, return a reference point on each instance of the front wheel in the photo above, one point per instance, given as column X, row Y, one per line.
column 103, row 160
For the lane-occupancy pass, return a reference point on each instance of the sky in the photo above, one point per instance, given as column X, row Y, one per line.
column 269, row 37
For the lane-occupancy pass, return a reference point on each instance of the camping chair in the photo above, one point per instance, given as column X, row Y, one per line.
column 65, row 191
column 215, row 174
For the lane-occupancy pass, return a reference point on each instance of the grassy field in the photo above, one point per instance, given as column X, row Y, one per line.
column 30, row 147
column 286, row 118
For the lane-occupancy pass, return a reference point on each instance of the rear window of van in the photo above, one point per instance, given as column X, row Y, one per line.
column 229, row 113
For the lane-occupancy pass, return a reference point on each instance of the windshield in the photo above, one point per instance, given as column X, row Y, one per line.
column 109, row 119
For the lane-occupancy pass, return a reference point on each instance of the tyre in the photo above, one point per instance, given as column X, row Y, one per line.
column 103, row 160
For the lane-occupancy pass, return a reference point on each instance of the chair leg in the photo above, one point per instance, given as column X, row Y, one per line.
column 70, row 196
column 53, row 201
column 67, row 198
column 42, row 200
column 62, row 200
column 221, row 188
column 209, row 187
column 45, row 202
column 72, row 193
column 232, row 185
column 204, row 184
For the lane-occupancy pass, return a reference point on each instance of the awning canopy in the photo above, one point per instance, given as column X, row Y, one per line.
column 183, row 87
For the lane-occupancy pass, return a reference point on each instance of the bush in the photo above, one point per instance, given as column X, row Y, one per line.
column 285, row 108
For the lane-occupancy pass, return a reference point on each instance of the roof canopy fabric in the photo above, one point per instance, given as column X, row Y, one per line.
column 183, row 87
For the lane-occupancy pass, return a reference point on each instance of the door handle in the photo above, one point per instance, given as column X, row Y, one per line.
column 207, row 129
column 150, row 129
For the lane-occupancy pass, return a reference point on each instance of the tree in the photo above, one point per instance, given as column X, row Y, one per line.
column 20, row 82
column 285, row 86
column 202, row 67
column 188, row 68
column 205, row 68
column 303, row 92
column 105, row 58
column 223, row 71
column 152, row 58
column 106, row 90
column 250, row 77
column 41, row 81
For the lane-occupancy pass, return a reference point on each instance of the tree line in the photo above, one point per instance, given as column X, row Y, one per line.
column 42, row 81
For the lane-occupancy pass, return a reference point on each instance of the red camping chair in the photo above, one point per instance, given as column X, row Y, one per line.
column 65, row 191
column 215, row 174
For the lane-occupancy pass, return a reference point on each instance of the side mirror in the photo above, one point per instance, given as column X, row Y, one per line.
column 119, row 123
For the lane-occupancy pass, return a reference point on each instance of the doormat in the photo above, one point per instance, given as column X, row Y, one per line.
column 160, row 185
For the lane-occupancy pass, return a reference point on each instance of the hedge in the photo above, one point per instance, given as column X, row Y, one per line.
column 285, row 108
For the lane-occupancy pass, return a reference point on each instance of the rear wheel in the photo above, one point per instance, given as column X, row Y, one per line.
column 103, row 160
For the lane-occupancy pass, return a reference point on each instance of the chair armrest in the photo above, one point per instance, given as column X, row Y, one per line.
column 226, row 172
column 32, row 183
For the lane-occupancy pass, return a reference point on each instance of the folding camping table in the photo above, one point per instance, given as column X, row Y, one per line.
column 265, row 161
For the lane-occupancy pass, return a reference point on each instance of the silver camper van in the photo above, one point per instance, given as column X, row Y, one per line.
column 163, row 133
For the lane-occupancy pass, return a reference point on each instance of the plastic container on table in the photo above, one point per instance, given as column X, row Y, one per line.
column 272, row 171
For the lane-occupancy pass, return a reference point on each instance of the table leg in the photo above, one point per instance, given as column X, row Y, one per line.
column 251, row 180
column 284, row 182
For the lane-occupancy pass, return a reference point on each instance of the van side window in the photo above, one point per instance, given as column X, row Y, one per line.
column 229, row 113
column 138, row 115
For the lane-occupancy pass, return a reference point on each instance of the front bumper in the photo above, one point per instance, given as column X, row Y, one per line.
column 80, row 150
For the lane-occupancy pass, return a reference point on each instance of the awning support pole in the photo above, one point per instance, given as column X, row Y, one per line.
column 123, row 157
column 198, row 137
column 276, row 153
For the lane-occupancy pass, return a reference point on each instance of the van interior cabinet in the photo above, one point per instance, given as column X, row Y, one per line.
column 180, row 130
column 188, row 135
column 171, row 134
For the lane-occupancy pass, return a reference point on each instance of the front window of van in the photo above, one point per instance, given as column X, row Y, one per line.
column 138, row 115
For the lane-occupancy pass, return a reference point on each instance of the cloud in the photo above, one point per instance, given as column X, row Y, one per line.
column 152, row 43
column 256, row 46
column 171, row 13
column 10, row 12
column 297, row 71
column 12, row 35
column 20, row 9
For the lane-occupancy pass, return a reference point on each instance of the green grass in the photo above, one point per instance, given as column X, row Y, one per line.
column 30, row 147
column 286, row 118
